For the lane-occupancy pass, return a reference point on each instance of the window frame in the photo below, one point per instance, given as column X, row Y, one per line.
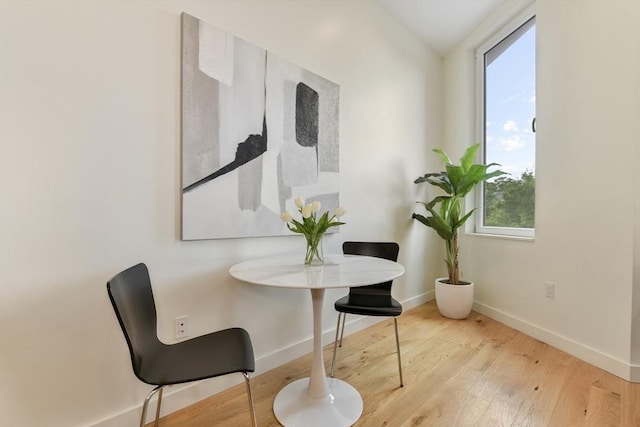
column 508, row 29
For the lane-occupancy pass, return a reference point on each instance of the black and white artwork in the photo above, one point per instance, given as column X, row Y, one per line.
column 257, row 132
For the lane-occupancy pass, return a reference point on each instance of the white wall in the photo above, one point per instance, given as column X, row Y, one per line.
column 89, row 185
column 588, row 104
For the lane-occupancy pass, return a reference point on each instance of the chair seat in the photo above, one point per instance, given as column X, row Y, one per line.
column 369, row 305
column 197, row 358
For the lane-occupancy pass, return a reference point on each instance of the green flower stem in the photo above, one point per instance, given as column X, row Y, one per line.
column 314, row 255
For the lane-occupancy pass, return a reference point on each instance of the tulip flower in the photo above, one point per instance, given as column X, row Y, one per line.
column 306, row 211
column 286, row 216
column 315, row 206
column 299, row 202
column 340, row 212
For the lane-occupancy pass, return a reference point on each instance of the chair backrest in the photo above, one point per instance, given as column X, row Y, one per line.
column 132, row 299
column 379, row 291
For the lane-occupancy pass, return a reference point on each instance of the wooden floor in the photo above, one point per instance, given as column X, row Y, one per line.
column 476, row 372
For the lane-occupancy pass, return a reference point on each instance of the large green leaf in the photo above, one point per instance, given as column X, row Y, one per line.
column 455, row 174
column 441, row 180
column 450, row 208
column 442, row 227
column 426, row 177
column 475, row 175
column 469, row 156
column 443, row 156
column 438, row 224
column 494, row 173
column 462, row 220
column 436, row 200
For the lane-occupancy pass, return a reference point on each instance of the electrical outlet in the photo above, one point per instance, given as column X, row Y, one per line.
column 549, row 289
column 182, row 326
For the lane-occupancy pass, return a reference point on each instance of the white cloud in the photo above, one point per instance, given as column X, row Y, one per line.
column 510, row 126
column 509, row 144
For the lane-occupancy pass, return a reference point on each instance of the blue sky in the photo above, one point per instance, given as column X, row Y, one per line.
column 510, row 100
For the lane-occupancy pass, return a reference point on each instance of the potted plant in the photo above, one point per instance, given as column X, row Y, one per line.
column 454, row 296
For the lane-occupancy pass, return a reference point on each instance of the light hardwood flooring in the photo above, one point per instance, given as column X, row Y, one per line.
column 475, row 372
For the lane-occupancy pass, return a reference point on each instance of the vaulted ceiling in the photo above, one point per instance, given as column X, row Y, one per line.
column 441, row 24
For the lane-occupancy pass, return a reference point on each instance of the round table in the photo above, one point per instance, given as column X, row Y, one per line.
column 317, row 400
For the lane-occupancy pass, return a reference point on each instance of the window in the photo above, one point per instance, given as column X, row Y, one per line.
column 506, row 127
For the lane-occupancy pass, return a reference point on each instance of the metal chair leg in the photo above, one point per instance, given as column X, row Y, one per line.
column 344, row 320
column 157, row 423
column 395, row 323
column 146, row 404
column 335, row 345
column 252, row 409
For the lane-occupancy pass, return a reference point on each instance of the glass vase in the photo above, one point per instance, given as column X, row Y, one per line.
column 314, row 255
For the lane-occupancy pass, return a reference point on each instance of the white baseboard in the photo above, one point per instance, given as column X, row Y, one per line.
column 597, row 358
column 179, row 397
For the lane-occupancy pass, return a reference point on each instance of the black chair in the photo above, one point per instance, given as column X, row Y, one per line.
column 159, row 364
column 372, row 300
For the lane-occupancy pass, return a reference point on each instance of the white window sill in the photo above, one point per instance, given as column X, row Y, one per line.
column 502, row 236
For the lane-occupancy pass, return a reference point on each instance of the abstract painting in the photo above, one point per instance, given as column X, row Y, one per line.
column 257, row 132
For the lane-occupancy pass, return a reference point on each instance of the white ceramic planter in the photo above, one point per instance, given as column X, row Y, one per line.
column 454, row 301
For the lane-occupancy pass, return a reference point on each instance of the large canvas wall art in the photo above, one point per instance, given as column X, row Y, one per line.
column 257, row 132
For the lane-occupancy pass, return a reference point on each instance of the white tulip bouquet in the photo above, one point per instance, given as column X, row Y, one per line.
column 312, row 228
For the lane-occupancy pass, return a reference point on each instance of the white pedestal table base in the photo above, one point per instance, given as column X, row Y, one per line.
column 317, row 401
column 294, row 408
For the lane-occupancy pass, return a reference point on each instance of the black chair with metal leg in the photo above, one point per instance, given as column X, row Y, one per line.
column 207, row 356
column 372, row 300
